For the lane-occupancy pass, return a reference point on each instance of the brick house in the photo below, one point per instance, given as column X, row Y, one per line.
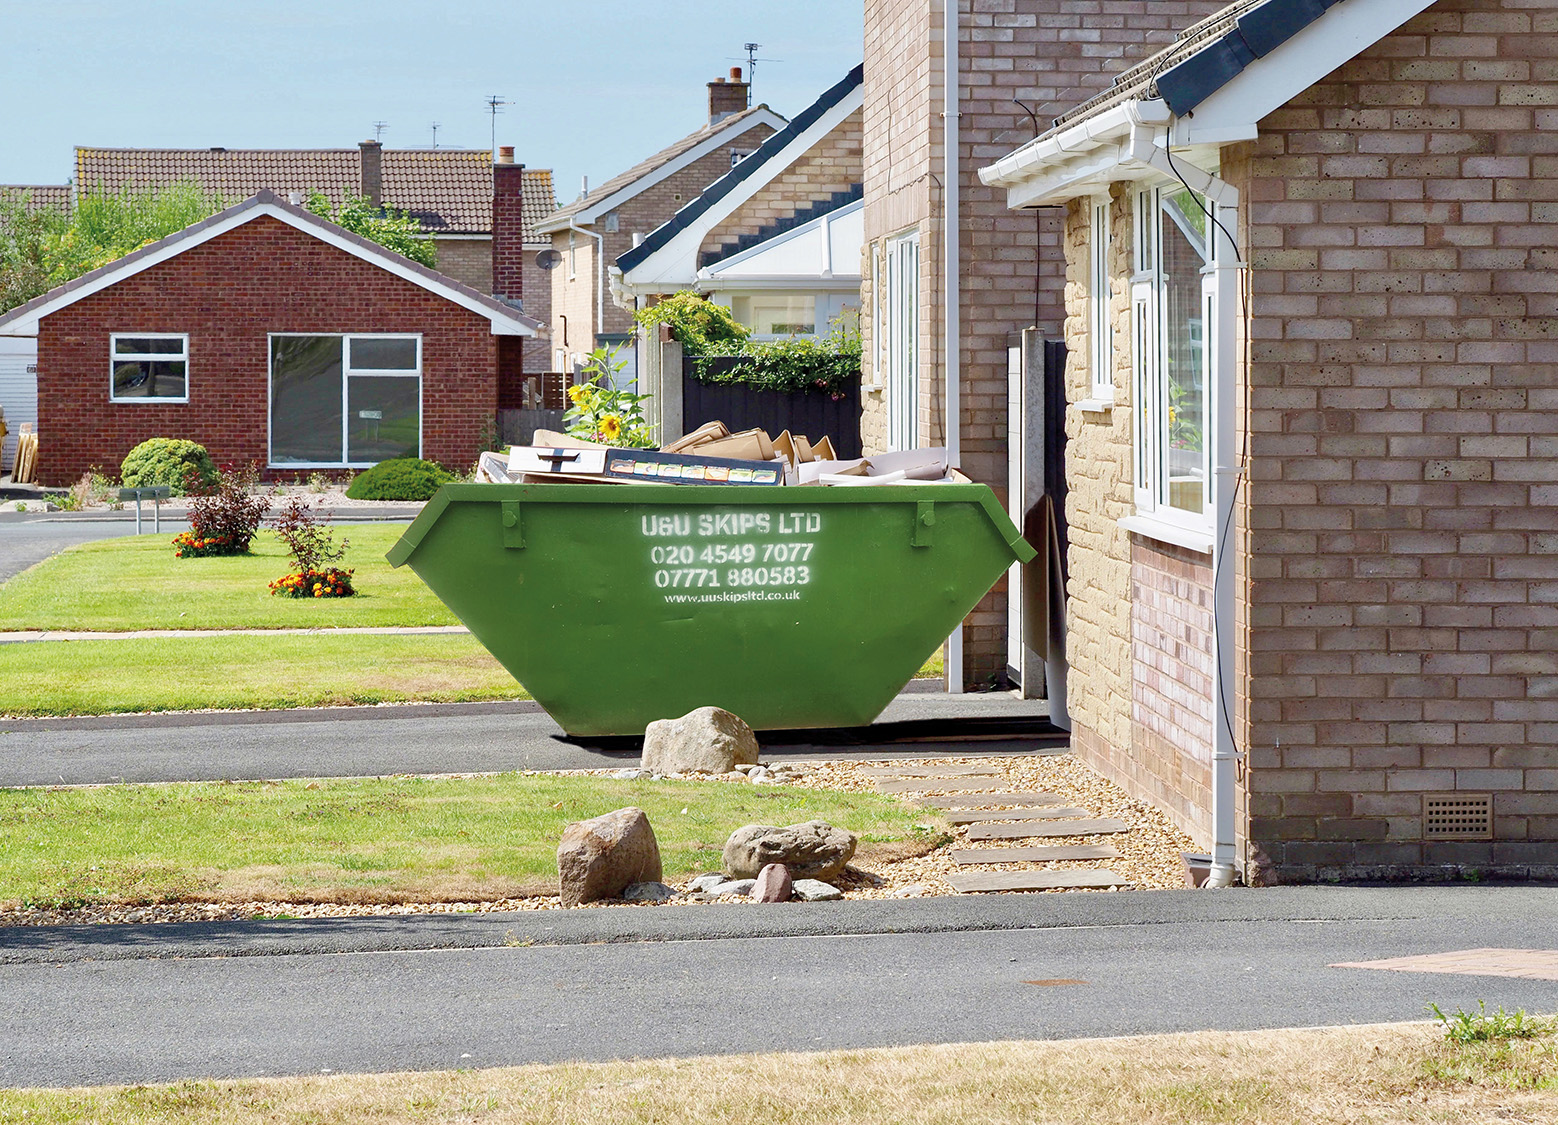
column 1047, row 55
column 603, row 224
column 269, row 335
column 1313, row 412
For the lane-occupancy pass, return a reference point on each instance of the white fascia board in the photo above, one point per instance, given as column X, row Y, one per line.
column 835, row 284
column 1341, row 33
column 1037, row 157
column 676, row 263
column 587, row 216
column 501, row 326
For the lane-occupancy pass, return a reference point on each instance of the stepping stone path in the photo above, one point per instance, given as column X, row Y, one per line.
column 973, row 796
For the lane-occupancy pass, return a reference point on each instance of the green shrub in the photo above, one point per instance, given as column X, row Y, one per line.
column 404, row 478
column 184, row 466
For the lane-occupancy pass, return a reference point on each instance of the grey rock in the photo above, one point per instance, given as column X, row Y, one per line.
column 913, row 890
column 757, row 775
column 814, row 850
column 814, row 890
column 708, row 740
column 628, row 775
column 773, row 884
column 599, row 858
column 648, row 892
column 706, row 882
column 734, row 887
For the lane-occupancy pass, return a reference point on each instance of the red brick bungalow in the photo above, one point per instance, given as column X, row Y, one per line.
column 268, row 335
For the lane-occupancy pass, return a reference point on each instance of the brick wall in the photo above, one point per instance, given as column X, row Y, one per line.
column 228, row 294
column 1050, row 54
column 467, row 260
column 579, row 297
column 1404, row 417
column 831, row 165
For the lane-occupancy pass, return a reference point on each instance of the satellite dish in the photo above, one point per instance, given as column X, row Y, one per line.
column 548, row 259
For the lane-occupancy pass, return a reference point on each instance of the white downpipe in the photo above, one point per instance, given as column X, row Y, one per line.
column 600, row 275
column 952, row 297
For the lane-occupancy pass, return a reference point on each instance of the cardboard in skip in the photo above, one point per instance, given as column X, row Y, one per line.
column 603, row 464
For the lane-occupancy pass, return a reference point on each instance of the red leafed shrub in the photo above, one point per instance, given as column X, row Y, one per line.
column 223, row 515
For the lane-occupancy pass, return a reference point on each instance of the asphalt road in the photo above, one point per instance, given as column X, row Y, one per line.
column 139, row 1004
column 416, row 738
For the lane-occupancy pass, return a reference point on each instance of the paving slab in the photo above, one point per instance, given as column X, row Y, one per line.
column 915, row 769
column 989, row 800
column 950, row 785
column 1027, row 828
column 1045, row 853
column 985, row 816
column 975, row 882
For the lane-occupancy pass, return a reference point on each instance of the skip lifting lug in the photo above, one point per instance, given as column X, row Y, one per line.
column 924, row 523
column 513, row 531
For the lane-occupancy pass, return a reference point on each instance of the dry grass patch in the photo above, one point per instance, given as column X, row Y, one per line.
column 1353, row 1076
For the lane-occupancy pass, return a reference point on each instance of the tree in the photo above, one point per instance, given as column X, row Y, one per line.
column 391, row 229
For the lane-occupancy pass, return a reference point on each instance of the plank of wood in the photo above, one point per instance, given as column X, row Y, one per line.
column 989, row 800
column 984, row 816
column 913, row 770
column 945, row 785
column 1047, row 853
column 1026, row 828
column 974, row 882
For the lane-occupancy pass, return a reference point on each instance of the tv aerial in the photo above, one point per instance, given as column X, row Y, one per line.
column 751, row 60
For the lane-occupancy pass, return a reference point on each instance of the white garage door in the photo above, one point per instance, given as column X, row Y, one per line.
column 18, row 389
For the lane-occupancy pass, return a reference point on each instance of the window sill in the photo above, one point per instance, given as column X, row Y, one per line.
column 1197, row 541
column 1096, row 405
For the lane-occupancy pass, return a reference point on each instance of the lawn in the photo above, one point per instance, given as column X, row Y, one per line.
column 246, row 672
column 115, row 585
column 376, row 840
column 1338, row 1076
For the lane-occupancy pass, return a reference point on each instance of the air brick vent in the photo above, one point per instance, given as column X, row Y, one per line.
column 1458, row 816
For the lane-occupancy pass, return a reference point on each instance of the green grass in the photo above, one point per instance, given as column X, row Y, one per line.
column 380, row 840
column 116, row 585
column 245, row 672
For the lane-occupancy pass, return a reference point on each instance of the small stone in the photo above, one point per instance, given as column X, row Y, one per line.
column 648, row 892
column 733, row 776
column 709, row 739
column 914, row 890
column 759, row 774
column 814, row 890
column 599, row 858
column 773, row 884
column 705, row 882
column 734, row 887
column 813, row 850
column 627, row 775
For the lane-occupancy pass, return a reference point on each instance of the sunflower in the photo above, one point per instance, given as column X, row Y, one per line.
column 576, row 393
column 611, row 427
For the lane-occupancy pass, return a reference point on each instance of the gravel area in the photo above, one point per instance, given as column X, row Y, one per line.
column 1149, row 852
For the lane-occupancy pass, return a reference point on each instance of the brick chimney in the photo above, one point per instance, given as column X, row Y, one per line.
column 372, row 171
column 508, row 226
column 727, row 96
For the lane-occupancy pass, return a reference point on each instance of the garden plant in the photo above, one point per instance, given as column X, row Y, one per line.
column 313, row 548
column 601, row 411
column 224, row 517
column 174, row 463
column 401, row 478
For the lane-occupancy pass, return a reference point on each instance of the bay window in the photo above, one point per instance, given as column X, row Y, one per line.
column 1173, row 294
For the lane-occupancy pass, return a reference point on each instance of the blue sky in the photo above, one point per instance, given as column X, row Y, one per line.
column 597, row 84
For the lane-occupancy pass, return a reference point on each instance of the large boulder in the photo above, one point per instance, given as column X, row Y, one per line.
column 814, row 850
column 599, row 858
column 708, row 740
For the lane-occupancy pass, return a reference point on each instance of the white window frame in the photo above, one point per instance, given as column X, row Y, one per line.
column 347, row 371
column 163, row 357
column 1150, row 471
column 1100, row 301
column 902, row 375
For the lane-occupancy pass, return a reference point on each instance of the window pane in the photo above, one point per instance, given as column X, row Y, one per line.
column 149, row 379
column 371, row 354
column 145, row 345
column 1183, row 248
column 384, row 418
column 305, row 400
column 777, row 316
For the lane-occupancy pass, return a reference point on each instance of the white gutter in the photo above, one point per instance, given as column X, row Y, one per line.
column 951, row 294
column 600, row 275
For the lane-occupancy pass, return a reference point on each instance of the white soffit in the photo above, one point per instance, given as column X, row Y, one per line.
column 822, row 253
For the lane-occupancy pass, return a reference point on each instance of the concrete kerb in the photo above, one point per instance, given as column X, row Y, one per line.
column 715, row 922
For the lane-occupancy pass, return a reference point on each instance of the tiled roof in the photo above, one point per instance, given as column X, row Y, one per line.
column 449, row 191
column 649, row 164
column 40, row 197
